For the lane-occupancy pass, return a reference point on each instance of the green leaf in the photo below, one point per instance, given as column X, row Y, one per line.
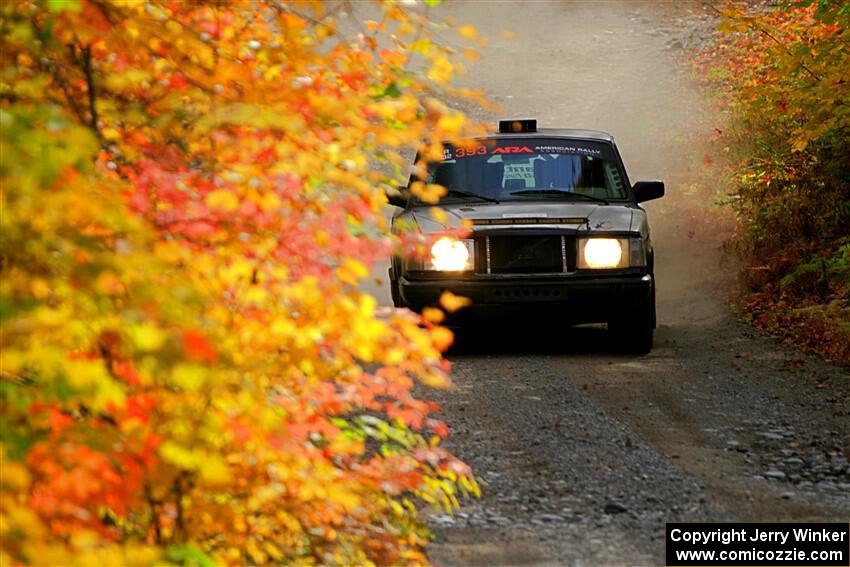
column 188, row 555
column 392, row 91
column 63, row 5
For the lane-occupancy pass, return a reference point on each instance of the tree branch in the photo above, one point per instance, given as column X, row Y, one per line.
column 154, row 504
column 784, row 47
column 87, row 69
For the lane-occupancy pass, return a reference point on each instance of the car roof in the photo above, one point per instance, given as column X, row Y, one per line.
column 575, row 134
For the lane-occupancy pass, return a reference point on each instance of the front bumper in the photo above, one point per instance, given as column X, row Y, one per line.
column 588, row 299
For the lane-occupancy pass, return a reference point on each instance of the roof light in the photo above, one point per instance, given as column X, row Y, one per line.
column 517, row 126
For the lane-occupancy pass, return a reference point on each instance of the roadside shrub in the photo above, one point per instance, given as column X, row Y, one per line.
column 781, row 74
column 191, row 195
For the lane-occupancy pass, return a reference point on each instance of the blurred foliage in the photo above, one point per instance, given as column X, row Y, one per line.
column 783, row 75
column 191, row 197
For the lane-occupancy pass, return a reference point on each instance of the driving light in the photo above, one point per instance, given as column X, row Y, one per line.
column 450, row 255
column 602, row 253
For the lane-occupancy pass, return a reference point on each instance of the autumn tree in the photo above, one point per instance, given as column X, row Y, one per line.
column 782, row 76
column 191, row 196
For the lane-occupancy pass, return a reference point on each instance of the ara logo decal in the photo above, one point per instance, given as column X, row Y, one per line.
column 513, row 150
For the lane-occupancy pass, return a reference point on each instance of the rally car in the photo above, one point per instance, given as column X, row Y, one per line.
column 555, row 223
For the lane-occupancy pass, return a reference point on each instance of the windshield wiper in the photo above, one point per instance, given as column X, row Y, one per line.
column 474, row 195
column 559, row 192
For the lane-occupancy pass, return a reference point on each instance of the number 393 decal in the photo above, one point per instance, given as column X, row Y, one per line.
column 484, row 150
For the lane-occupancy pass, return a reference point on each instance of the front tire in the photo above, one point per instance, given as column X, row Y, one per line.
column 634, row 329
column 395, row 294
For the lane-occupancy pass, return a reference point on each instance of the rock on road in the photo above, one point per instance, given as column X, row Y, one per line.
column 585, row 453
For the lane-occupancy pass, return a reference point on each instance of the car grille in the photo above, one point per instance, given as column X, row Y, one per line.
column 539, row 254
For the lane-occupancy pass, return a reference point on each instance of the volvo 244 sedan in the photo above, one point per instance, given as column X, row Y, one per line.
column 555, row 223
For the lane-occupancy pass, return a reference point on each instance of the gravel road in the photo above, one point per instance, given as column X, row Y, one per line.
column 585, row 453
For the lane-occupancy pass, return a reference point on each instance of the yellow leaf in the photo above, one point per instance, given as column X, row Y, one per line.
column 451, row 124
column 799, row 145
column 430, row 193
column 351, row 271
column 440, row 215
column 435, row 379
column 452, row 302
column 222, row 200
column 147, row 337
column 214, row 471
column 405, row 28
column 421, row 45
column 346, row 498
column 188, row 376
column 442, row 337
column 15, row 475
column 269, row 201
column 395, row 356
column 441, row 69
column 468, row 32
column 357, row 267
column 110, row 134
column 40, row 288
column 433, row 314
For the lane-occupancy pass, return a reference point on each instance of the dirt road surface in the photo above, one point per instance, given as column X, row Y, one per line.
column 585, row 453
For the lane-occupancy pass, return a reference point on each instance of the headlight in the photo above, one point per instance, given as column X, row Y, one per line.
column 451, row 255
column 608, row 253
column 602, row 253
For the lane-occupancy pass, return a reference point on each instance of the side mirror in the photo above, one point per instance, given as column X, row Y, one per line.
column 398, row 198
column 648, row 190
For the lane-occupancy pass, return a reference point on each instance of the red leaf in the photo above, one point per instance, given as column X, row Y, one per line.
column 198, row 348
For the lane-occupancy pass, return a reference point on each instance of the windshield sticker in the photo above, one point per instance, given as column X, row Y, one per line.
column 524, row 171
column 512, row 150
column 471, row 151
column 568, row 150
column 450, row 153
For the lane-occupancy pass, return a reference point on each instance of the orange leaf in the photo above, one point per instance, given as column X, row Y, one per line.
column 452, row 302
column 433, row 315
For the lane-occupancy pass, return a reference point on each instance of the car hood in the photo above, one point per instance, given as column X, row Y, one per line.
column 582, row 217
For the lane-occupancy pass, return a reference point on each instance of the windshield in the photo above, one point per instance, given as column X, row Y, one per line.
column 517, row 169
